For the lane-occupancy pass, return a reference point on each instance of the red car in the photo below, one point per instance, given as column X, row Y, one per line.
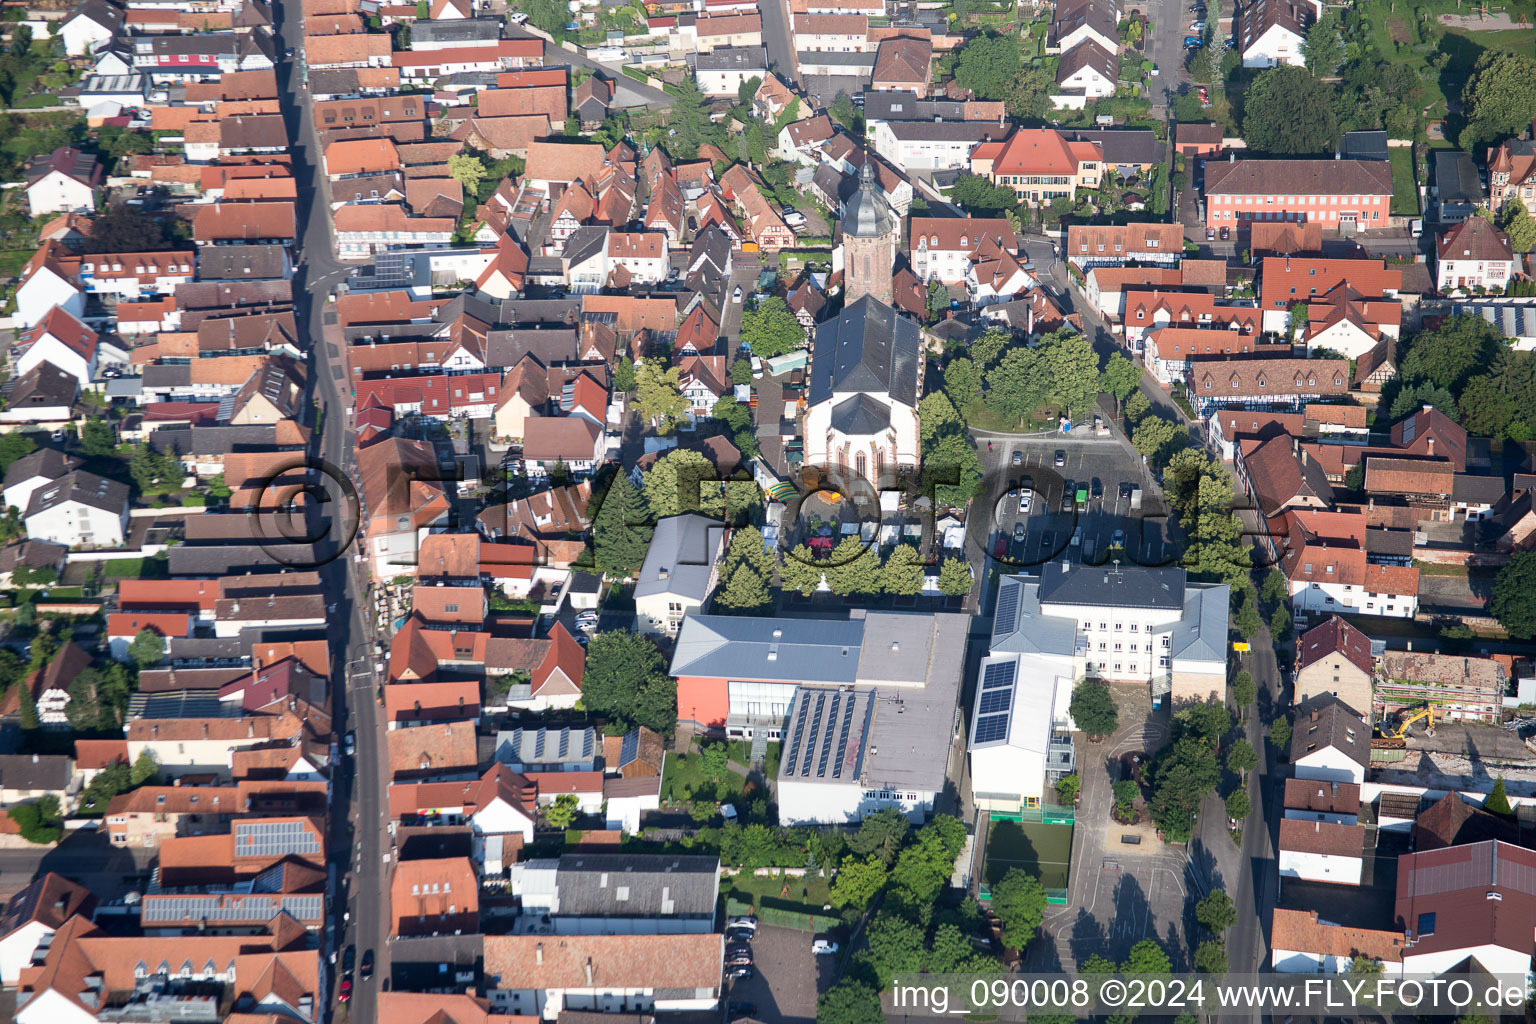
column 344, row 993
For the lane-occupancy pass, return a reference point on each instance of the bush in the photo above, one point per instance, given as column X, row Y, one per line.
column 34, row 827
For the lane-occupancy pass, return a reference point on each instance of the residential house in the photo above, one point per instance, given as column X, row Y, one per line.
column 942, row 247
column 903, row 64
column 620, row 894
column 543, row 976
column 1330, row 570
column 1320, row 851
column 1330, row 741
column 37, row 911
column 723, row 70
column 1271, row 32
column 402, row 486
column 435, row 896
column 1040, row 165
column 1512, row 173
column 574, row 442
column 1266, row 383
column 85, row 29
column 26, row 777
column 1334, row 658
column 1458, row 186
column 79, row 509
column 1098, row 245
column 1086, row 72
column 1301, row 943
column 63, row 181
column 1291, row 281
column 680, row 571
column 1474, row 255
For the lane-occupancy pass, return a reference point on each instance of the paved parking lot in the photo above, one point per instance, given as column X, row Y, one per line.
column 1102, row 470
column 788, row 977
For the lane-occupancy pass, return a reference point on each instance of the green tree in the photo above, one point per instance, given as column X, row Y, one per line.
column 1137, row 407
column 801, row 571
column 938, row 300
column 1019, row 902
column 32, row 826
column 1094, row 709
column 21, row 40
column 690, row 119
column 145, row 770
column 1276, row 587
column 1238, row 804
column 741, row 372
column 1497, row 98
column 468, row 171
column 26, row 714
column 1125, row 798
column 1073, row 369
column 937, row 416
column 1288, row 112
column 962, row 382
column 1067, row 788
column 1183, row 775
column 97, row 438
column 1498, row 802
column 1323, row 49
column 1147, row 957
column 626, row 681
column 1018, row 384
column 849, row 1002
column 903, row 571
column 1029, row 95
column 147, row 648
column 1156, row 438
column 955, row 578
column 562, row 814
column 624, row 375
column 683, row 480
column 1280, row 734
column 881, row 834
column 14, row 446
column 744, row 591
column 1211, row 957
column 1216, row 911
column 1120, row 378
column 1462, row 346
column 854, row 568
column 771, row 329
column 748, row 89
column 989, row 347
column 988, row 65
column 895, row 945
column 1241, row 758
column 859, row 880
column 658, row 397
column 925, row 865
column 84, row 707
column 1280, row 624
column 1516, row 221
column 620, row 533
column 1244, row 692
column 952, row 468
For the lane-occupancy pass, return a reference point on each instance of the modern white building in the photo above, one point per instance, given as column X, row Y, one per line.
column 721, row 71
column 681, row 569
column 1271, row 32
column 1121, row 623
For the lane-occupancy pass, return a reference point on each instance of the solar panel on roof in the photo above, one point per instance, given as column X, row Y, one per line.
column 586, row 742
column 565, row 743
column 538, row 744
column 998, row 675
column 995, row 700
column 630, row 747
column 1007, row 605
column 842, row 740
column 990, row 728
column 810, row 745
column 826, row 743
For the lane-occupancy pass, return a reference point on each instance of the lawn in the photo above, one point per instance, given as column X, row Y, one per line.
column 155, row 568
column 1405, row 196
column 982, row 419
column 801, row 908
column 684, row 780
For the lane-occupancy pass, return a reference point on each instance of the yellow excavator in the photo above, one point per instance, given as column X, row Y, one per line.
column 1403, row 725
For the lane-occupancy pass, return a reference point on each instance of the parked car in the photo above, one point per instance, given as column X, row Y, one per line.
column 736, row 295
column 1153, row 72
column 351, row 744
column 368, row 965
column 735, row 948
column 1067, row 495
column 1226, row 233
column 1018, row 457
column 739, row 960
column 344, row 991
column 1117, row 539
column 741, row 972
column 823, row 946
column 1018, row 531
column 1024, row 500
column 742, row 1009
column 1192, row 43
column 1125, row 489
column 1197, row 26
column 1045, row 541
column 748, row 922
column 1210, row 234
column 348, row 960
column 1061, row 457
column 739, row 935
column 1096, row 488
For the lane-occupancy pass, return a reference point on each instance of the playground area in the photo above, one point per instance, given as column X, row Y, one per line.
column 1042, row 848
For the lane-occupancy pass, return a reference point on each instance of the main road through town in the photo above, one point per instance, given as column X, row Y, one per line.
column 358, row 843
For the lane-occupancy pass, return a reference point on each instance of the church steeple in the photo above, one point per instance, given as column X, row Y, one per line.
column 870, row 232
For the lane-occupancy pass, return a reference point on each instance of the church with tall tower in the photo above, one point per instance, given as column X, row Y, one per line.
column 870, row 239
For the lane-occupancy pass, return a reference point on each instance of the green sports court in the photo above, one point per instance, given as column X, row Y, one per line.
column 1041, row 847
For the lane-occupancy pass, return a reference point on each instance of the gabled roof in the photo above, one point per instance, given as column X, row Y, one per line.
column 1334, row 637
column 869, row 347
column 681, row 556
column 68, row 161
column 1325, row 721
column 1474, row 239
column 1292, row 177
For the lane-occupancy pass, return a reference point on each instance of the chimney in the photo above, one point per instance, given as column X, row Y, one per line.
column 34, row 759
column 538, row 954
column 1431, row 447
column 589, row 972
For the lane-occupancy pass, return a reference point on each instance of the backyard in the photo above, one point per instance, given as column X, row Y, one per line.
column 1405, row 195
column 781, row 899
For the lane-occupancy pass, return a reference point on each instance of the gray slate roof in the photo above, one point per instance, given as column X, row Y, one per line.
column 240, row 263
column 637, row 885
column 1202, row 632
column 1457, row 178
column 86, row 488
column 547, row 746
column 861, row 415
column 1120, row 587
column 1326, row 721
column 681, row 557
column 35, row 771
column 48, row 463
column 868, row 347
column 804, row 650
column 485, row 30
